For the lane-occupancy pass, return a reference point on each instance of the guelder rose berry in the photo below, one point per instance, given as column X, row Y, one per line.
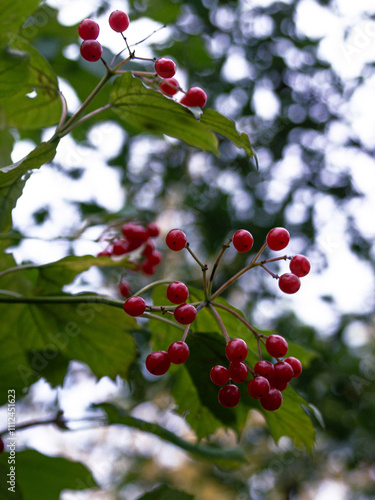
column 278, row 238
column 195, row 96
column 119, row 21
column 91, row 50
column 177, row 292
column 88, row 29
column 276, row 346
column 238, row 372
column 258, row 387
column 229, row 396
column 219, row 375
column 176, row 240
column 295, row 364
column 178, row 352
column 158, row 362
column 236, row 350
column 242, row 240
column 272, row 401
column 169, row 86
column 185, row 314
column 289, row 283
column 300, row 265
column 165, row 68
column 135, row 306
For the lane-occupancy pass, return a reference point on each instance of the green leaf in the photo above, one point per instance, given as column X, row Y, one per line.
column 291, row 420
column 13, row 14
column 14, row 71
column 164, row 492
column 226, row 457
column 12, row 180
column 41, row 476
column 148, row 110
column 37, row 336
column 6, row 147
column 37, row 103
column 52, row 277
column 226, row 127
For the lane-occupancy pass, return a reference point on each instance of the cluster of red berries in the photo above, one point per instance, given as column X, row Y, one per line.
column 91, row 50
column 166, row 68
column 177, row 293
column 277, row 239
column 134, row 237
column 268, row 380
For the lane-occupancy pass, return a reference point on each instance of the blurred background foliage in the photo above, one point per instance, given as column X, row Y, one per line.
column 260, row 70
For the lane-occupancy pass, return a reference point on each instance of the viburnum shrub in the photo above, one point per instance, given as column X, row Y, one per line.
column 267, row 379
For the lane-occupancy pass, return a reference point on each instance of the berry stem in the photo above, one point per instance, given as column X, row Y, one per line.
column 218, row 258
column 150, row 286
column 220, row 322
column 234, row 278
column 9, row 297
column 276, row 276
column 163, row 319
column 64, row 111
column 84, row 105
column 186, row 331
column 84, row 118
column 239, row 317
column 202, row 266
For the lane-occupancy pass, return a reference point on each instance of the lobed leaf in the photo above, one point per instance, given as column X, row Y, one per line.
column 13, row 179
column 41, row 476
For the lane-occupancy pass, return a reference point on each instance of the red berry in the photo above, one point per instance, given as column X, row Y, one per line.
column 176, row 240
column 165, row 68
column 283, row 372
column 177, row 292
column 295, row 364
column 195, row 96
column 148, row 268
column 289, row 283
column 276, row 346
column 91, row 50
column 272, row 401
column 264, row 368
column 153, row 230
column 158, row 362
column 229, row 396
column 88, row 29
column 236, row 350
column 135, row 234
column 124, row 288
column 120, row 247
column 178, row 352
column 300, row 265
column 185, row 314
column 148, row 249
column 238, row 372
column 219, row 375
column 278, row 238
column 184, row 101
column 154, row 258
column 258, row 387
column 119, row 21
column 135, row 306
column 242, row 240
column 279, row 384
column 104, row 253
column 167, row 86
